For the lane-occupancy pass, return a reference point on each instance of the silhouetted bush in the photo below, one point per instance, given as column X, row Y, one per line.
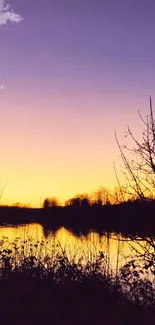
column 36, row 287
column 50, row 202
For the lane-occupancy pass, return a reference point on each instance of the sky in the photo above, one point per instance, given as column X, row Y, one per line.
column 71, row 73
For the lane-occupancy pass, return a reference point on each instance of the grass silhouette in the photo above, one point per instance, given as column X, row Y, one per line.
column 37, row 289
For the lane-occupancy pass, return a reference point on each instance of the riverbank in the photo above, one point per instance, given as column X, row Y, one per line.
column 128, row 218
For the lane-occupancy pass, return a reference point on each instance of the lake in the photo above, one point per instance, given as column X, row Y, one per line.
column 117, row 249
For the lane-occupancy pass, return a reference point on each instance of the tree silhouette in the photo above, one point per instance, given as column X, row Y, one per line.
column 139, row 171
column 85, row 203
column 50, row 202
column 80, row 200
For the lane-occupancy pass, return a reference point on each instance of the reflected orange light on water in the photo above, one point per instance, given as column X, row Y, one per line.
column 116, row 249
column 23, row 232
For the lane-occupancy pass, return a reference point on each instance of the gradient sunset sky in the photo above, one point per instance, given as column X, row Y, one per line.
column 71, row 73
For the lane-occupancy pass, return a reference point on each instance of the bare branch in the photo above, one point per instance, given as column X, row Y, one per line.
column 140, row 169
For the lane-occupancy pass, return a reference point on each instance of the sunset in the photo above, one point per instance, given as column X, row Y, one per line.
column 71, row 74
column 77, row 176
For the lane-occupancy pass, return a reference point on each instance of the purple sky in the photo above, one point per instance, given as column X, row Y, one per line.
column 74, row 71
column 100, row 46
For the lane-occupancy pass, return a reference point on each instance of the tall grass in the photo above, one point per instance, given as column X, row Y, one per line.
column 29, row 259
column 40, row 285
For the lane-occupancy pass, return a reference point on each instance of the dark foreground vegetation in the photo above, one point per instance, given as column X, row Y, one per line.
column 43, row 289
column 130, row 218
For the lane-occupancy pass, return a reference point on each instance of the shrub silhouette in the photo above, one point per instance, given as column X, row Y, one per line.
column 50, row 202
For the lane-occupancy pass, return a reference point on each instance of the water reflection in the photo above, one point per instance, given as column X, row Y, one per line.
column 117, row 250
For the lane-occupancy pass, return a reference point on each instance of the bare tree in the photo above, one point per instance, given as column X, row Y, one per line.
column 139, row 171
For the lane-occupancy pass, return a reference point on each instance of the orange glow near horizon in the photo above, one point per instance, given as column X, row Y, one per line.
column 45, row 154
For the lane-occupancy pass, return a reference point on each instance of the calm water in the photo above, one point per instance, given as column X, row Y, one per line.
column 117, row 250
